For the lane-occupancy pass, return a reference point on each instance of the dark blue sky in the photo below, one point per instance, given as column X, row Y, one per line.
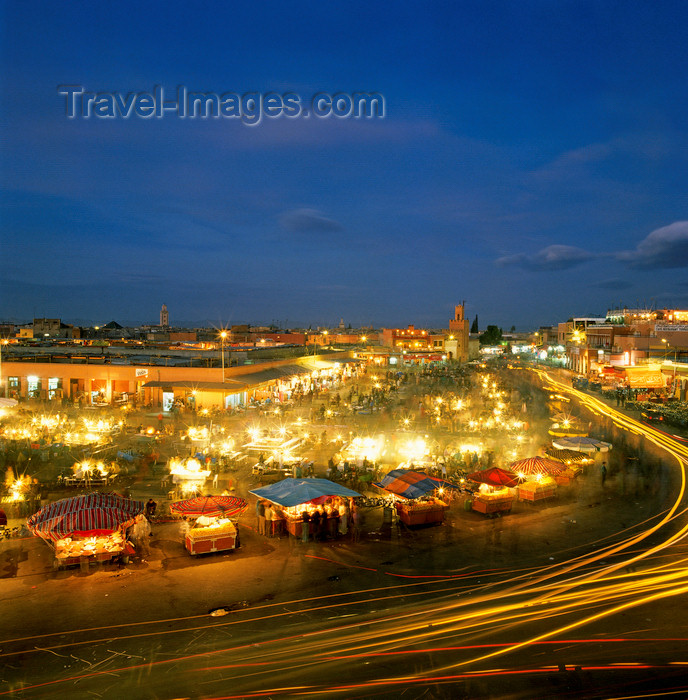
column 533, row 161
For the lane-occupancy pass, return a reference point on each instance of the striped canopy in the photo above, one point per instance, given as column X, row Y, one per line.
column 84, row 516
column 212, row 506
column 411, row 484
column 536, row 465
column 568, row 456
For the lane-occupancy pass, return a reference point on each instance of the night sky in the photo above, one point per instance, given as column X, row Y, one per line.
column 532, row 161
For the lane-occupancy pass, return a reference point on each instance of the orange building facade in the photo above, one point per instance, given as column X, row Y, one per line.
column 110, row 384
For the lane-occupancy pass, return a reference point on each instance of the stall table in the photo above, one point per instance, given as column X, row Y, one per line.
column 488, row 504
column 533, row 491
column 216, row 538
column 83, row 552
column 567, row 476
column 421, row 513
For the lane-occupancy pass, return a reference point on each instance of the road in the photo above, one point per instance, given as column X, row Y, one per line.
column 608, row 622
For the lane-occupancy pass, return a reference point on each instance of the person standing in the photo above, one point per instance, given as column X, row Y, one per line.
column 268, row 520
column 184, row 528
column 261, row 517
column 343, row 518
column 141, row 532
column 151, row 507
column 333, row 522
column 356, row 523
column 603, row 472
column 315, row 523
column 305, row 525
column 277, row 525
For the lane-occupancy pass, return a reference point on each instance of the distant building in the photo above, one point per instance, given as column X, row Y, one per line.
column 456, row 344
column 164, row 317
column 52, row 328
column 7, row 330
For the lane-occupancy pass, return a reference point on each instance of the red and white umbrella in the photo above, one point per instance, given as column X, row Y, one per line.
column 533, row 466
column 211, row 506
column 84, row 516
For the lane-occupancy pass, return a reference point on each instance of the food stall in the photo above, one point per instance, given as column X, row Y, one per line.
column 537, row 475
column 494, row 500
column 537, row 489
column 414, row 496
column 211, row 535
column 362, row 450
column 294, row 496
column 188, row 476
column 86, row 473
column 495, row 494
column 572, row 463
column 279, row 443
column 421, row 511
column 85, row 529
column 213, row 529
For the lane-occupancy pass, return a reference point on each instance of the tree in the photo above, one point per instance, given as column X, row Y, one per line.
column 512, row 329
column 492, row 336
column 474, row 325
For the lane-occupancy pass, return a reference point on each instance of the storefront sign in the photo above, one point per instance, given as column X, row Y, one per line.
column 670, row 327
column 141, row 372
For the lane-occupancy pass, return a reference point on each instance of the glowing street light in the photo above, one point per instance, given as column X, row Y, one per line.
column 223, row 335
column 4, row 341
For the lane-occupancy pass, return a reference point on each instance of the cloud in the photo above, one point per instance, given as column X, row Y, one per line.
column 664, row 248
column 569, row 164
column 614, row 283
column 553, row 257
column 309, row 221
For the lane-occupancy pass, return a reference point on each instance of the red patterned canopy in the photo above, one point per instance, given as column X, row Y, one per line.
column 495, row 477
column 536, row 465
column 212, row 506
column 84, row 516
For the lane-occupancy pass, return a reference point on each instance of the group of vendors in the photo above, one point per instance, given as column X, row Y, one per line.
column 317, row 521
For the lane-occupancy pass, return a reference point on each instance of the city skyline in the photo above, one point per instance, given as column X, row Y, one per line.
column 531, row 160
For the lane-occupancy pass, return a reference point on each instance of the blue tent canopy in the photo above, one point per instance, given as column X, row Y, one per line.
column 293, row 492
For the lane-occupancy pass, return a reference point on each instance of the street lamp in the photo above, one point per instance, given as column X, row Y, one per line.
column 667, row 349
column 223, row 335
column 4, row 341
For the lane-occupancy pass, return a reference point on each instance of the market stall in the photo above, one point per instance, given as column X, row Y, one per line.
column 188, row 476
column 538, row 477
column 279, row 443
column 87, row 473
column 362, row 450
column 213, row 529
column 86, row 528
column 537, row 489
column 295, row 497
column 495, row 494
column 414, row 496
column 573, row 462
